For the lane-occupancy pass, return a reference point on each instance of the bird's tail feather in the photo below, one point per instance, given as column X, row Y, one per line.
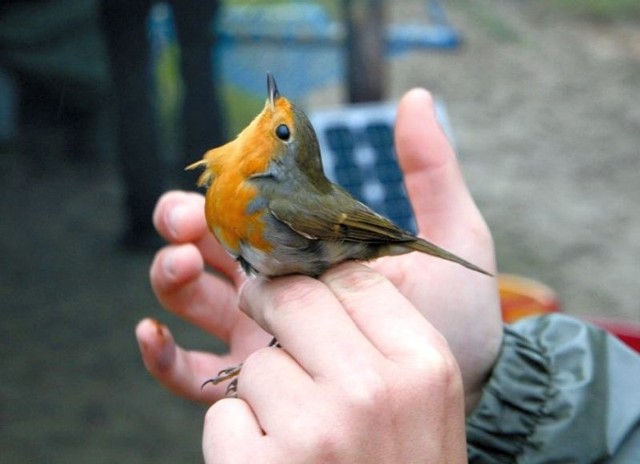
column 434, row 250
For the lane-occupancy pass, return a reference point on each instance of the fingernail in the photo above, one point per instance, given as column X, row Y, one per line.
column 168, row 265
column 166, row 356
column 174, row 219
column 159, row 326
column 158, row 355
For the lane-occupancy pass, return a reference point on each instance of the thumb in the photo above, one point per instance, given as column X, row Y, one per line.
column 432, row 176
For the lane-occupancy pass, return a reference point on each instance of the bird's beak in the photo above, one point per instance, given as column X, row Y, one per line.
column 272, row 90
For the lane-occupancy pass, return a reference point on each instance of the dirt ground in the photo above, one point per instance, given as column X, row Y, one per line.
column 546, row 114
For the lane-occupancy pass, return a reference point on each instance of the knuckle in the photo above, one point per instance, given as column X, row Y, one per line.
column 286, row 297
column 354, row 277
column 438, row 372
column 262, row 296
column 369, row 392
column 256, row 363
column 296, row 291
column 327, row 438
column 329, row 446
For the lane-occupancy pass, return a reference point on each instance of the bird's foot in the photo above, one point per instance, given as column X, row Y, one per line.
column 232, row 373
column 224, row 375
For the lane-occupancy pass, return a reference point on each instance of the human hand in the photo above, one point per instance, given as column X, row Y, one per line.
column 205, row 298
column 464, row 306
column 363, row 378
column 461, row 304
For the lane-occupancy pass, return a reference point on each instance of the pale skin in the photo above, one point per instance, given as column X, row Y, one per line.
column 381, row 361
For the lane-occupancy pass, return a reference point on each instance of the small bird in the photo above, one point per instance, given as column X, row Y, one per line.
column 270, row 205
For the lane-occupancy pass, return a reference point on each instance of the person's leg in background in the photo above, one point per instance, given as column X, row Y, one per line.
column 203, row 119
column 141, row 163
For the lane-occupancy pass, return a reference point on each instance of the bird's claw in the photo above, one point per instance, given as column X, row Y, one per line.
column 232, row 373
column 226, row 374
column 232, row 389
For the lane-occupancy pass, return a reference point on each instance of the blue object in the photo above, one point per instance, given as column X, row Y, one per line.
column 356, row 142
column 299, row 41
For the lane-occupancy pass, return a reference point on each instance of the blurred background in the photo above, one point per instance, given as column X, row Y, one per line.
column 542, row 98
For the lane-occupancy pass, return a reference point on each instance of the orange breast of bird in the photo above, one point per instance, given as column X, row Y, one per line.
column 231, row 192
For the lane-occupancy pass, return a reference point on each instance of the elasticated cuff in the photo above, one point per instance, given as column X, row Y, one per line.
column 557, row 394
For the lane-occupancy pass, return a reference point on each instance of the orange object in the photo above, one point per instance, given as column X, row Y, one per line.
column 271, row 207
column 521, row 297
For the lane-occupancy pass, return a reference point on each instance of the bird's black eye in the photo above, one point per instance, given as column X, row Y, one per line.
column 282, row 131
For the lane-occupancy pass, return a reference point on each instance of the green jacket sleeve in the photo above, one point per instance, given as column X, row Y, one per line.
column 561, row 391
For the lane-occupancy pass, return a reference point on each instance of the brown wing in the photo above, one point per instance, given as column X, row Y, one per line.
column 337, row 216
column 340, row 217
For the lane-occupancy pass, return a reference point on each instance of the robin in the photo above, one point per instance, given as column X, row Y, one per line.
column 270, row 205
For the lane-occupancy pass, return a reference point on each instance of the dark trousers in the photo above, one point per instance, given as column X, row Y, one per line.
column 144, row 169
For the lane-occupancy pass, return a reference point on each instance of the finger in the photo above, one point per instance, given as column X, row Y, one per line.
column 275, row 386
column 231, row 434
column 179, row 218
column 388, row 320
column 309, row 322
column 432, row 175
column 181, row 285
column 179, row 370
